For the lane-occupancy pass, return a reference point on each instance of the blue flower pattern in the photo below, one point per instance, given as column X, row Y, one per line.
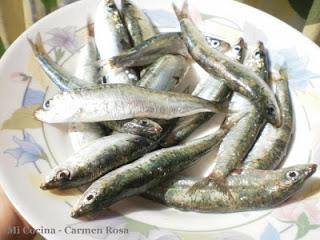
column 32, row 97
column 28, row 151
column 299, row 76
column 270, row 232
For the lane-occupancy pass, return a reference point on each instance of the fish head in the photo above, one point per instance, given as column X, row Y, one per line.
column 59, row 178
column 272, row 111
column 60, row 108
column 256, row 59
column 143, row 127
column 236, row 51
column 126, row 4
column 293, row 177
column 110, row 6
column 260, row 54
column 88, row 202
column 218, row 44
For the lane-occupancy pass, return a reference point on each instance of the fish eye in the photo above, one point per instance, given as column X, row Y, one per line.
column 46, row 104
column 259, row 54
column 144, row 122
column 132, row 77
column 237, row 48
column 63, row 174
column 270, row 109
column 111, row 5
column 104, row 80
column 213, row 42
column 90, row 197
column 292, row 175
column 127, row 3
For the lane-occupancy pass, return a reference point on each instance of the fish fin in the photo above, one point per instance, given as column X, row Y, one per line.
column 237, row 170
column 223, row 188
column 104, row 65
column 200, row 184
column 222, row 107
column 283, row 74
column 184, row 12
column 218, row 182
column 176, row 11
column 185, row 9
column 37, row 46
column 186, row 90
column 90, row 26
column 233, row 121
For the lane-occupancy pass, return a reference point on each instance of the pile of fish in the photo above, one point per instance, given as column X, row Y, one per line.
column 127, row 121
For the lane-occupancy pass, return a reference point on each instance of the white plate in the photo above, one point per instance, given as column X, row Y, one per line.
column 28, row 149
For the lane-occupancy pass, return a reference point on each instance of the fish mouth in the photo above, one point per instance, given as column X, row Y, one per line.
column 76, row 213
column 275, row 121
column 311, row 170
column 158, row 130
column 40, row 115
column 49, row 184
column 278, row 121
column 44, row 186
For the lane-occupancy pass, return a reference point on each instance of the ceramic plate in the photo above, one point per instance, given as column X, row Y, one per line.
column 29, row 149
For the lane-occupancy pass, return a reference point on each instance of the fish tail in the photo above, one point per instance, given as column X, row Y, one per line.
column 37, row 46
column 184, row 12
column 215, row 182
column 218, row 181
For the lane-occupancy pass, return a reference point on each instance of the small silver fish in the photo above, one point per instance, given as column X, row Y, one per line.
column 138, row 23
column 144, row 173
column 165, row 73
column 97, row 158
column 60, row 77
column 211, row 89
column 240, row 139
column 148, row 51
column 83, row 133
column 142, row 127
column 273, row 143
column 121, row 101
column 250, row 190
column 112, row 38
column 236, row 76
